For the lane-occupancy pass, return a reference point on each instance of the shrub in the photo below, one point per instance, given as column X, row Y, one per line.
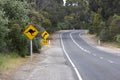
column 61, row 25
column 46, row 23
column 118, row 38
column 105, row 35
column 16, row 9
column 36, row 45
column 97, row 24
column 3, row 30
column 2, row 38
column 114, row 26
column 17, row 42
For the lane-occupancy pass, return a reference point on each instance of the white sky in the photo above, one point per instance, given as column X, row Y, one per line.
column 64, row 1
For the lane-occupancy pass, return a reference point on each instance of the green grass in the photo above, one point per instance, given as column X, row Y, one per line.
column 9, row 61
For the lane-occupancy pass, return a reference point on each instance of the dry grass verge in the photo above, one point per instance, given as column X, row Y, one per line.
column 9, row 62
column 112, row 47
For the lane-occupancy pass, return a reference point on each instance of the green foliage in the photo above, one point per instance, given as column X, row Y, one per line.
column 35, row 17
column 2, row 38
column 97, row 24
column 79, row 11
column 3, row 30
column 108, row 18
column 115, row 26
column 109, row 7
column 52, row 11
column 16, row 10
column 105, row 32
column 62, row 26
column 3, row 18
column 69, row 19
column 36, row 45
column 17, row 42
column 15, row 17
column 46, row 23
column 118, row 38
column 105, row 35
column 100, row 27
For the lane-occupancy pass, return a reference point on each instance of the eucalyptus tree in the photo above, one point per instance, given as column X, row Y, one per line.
column 80, row 9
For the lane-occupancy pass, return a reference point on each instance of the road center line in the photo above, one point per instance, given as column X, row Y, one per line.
column 74, row 67
column 94, row 55
column 110, row 61
column 79, row 45
column 101, row 57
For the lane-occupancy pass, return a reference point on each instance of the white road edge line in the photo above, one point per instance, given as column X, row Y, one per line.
column 74, row 67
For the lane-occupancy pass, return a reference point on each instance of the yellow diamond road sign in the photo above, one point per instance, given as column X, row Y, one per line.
column 31, row 32
column 45, row 35
column 45, row 42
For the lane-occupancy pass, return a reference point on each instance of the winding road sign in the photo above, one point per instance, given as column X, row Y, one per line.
column 45, row 35
column 31, row 32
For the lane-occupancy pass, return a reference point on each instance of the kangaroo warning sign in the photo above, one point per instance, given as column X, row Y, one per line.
column 31, row 32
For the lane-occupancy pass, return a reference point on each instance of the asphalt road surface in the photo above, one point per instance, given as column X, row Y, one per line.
column 89, row 62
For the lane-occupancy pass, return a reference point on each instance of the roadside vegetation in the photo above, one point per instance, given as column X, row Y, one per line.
column 10, row 61
column 105, row 19
column 100, row 17
column 15, row 16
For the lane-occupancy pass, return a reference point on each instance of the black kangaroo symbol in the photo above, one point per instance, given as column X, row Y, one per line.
column 31, row 31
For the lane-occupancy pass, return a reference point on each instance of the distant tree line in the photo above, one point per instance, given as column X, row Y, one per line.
column 105, row 19
column 101, row 17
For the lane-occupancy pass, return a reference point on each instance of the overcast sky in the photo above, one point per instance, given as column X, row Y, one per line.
column 64, row 1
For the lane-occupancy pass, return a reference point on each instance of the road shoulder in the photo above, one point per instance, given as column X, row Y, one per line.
column 93, row 40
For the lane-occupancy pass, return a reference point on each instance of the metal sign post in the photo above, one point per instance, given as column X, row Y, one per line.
column 31, row 50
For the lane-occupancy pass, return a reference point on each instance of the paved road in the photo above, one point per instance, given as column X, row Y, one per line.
column 89, row 62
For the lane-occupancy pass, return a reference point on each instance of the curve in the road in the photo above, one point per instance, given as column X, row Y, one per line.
column 74, row 67
column 91, row 62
